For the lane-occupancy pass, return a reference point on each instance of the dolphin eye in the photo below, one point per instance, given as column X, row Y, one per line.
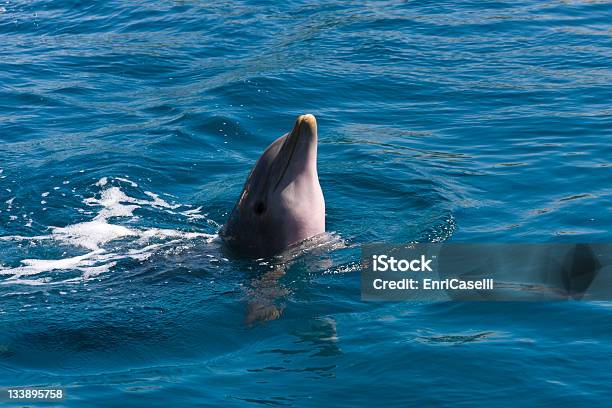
column 260, row 207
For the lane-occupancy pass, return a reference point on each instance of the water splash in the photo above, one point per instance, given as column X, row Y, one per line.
column 105, row 237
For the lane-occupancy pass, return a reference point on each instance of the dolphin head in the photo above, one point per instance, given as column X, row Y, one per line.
column 281, row 203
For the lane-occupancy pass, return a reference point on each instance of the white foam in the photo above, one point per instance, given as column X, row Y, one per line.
column 102, row 182
column 159, row 202
column 169, row 233
column 193, row 214
column 30, row 282
column 146, row 252
column 111, row 200
column 92, row 234
column 91, row 271
column 130, row 182
column 24, row 238
column 36, row 266
column 96, row 235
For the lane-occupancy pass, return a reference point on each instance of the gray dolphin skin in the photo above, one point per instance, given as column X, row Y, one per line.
column 282, row 202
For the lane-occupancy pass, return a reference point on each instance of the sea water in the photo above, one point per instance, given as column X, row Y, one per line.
column 128, row 128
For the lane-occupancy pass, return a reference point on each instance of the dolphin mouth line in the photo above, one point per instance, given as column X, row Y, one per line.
column 295, row 143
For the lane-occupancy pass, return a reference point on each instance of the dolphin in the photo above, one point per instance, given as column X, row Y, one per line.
column 281, row 203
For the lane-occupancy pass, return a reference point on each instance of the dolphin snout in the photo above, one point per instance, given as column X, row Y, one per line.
column 307, row 125
column 307, row 121
column 305, row 130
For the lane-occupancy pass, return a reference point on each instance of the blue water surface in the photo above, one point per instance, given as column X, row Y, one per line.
column 127, row 130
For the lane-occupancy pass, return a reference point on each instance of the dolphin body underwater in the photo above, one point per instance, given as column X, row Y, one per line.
column 282, row 202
